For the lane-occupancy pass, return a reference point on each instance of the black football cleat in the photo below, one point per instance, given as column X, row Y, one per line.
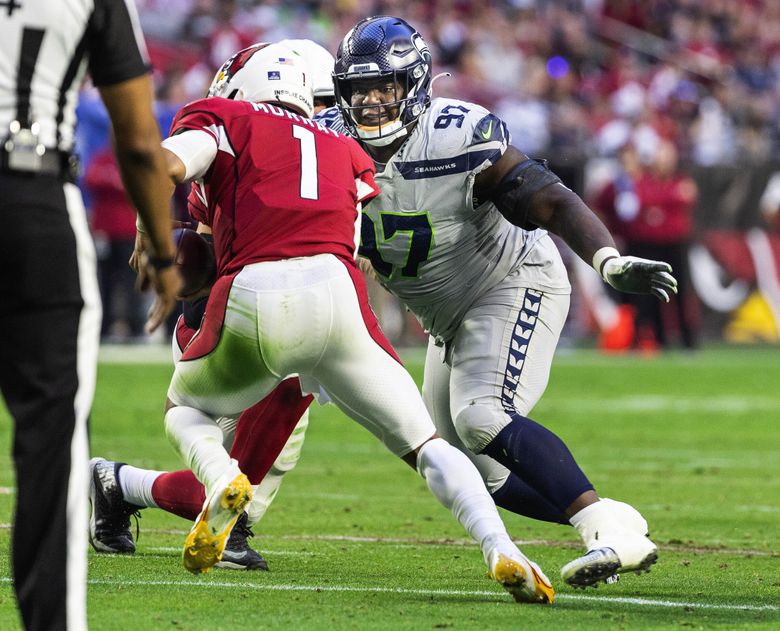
column 109, row 521
column 237, row 554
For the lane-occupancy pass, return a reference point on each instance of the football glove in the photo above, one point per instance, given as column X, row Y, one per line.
column 640, row 276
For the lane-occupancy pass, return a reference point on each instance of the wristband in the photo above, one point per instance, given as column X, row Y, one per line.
column 161, row 262
column 601, row 256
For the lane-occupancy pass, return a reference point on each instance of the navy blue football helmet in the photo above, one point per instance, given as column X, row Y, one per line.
column 383, row 47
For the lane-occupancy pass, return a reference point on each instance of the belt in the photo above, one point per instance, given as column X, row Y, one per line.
column 54, row 162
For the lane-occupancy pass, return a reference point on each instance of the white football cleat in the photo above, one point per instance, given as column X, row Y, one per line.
column 615, row 535
column 206, row 541
column 628, row 553
column 520, row 576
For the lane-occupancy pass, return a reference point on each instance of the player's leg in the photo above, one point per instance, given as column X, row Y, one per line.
column 491, row 396
column 268, row 487
column 362, row 375
column 206, row 385
column 506, row 488
column 118, row 490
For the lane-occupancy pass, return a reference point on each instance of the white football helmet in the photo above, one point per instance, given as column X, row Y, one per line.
column 320, row 63
column 267, row 73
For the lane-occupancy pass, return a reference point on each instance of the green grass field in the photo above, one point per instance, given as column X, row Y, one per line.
column 355, row 541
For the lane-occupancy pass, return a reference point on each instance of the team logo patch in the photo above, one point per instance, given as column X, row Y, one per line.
column 231, row 67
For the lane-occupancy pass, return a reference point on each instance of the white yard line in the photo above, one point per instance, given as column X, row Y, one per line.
column 639, row 602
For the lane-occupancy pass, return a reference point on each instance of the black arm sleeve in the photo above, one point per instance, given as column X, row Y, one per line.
column 115, row 44
column 193, row 311
column 513, row 195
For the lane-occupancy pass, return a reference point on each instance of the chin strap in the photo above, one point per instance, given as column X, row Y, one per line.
column 386, row 138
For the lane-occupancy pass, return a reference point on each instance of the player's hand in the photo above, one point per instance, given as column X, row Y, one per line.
column 640, row 276
column 166, row 283
column 140, row 246
column 364, row 265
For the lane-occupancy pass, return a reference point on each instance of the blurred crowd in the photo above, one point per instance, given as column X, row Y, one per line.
column 627, row 80
column 574, row 77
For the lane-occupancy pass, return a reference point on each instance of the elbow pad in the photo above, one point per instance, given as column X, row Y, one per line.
column 513, row 195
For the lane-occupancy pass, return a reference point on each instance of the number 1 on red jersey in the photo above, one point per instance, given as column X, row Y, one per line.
column 308, row 162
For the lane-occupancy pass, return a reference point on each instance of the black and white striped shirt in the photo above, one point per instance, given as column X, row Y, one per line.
column 46, row 46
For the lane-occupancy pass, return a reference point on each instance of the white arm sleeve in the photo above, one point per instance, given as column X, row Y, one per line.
column 196, row 149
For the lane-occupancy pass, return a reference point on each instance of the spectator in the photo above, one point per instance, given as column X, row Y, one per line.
column 661, row 228
column 113, row 230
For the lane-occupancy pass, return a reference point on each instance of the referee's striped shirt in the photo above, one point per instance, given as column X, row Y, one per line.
column 46, row 47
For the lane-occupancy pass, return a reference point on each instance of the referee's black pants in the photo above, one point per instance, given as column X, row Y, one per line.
column 49, row 331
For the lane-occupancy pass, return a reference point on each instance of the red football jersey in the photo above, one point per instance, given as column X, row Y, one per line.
column 281, row 185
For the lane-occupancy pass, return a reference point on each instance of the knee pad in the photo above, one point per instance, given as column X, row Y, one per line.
column 478, row 424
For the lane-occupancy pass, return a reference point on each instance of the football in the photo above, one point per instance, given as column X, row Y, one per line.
column 195, row 260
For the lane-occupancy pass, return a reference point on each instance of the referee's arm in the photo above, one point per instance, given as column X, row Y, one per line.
column 141, row 161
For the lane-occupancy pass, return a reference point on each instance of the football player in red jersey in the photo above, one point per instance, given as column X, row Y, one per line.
column 289, row 300
column 273, row 428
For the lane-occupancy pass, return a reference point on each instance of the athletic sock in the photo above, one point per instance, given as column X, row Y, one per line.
column 136, row 485
column 541, row 460
column 198, row 440
column 516, row 496
column 180, row 493
column 607, row 518
column 456, row 483
column 265, row 492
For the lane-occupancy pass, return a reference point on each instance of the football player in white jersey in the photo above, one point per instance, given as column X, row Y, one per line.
column 459, row 234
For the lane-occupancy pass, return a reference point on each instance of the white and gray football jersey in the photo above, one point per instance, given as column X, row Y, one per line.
column 46, row 46
column 430, row 241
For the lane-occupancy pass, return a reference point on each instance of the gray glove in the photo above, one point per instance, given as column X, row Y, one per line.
column 640, row 276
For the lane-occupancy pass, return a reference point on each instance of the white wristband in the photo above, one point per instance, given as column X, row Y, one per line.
column 601, row 256
column 139, row 225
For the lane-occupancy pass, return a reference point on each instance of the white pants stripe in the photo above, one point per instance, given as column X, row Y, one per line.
column 88, row 344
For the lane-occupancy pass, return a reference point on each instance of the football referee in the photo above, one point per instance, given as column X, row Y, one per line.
column 49, row 304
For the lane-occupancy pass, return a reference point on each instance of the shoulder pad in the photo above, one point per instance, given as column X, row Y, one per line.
column 455, row 126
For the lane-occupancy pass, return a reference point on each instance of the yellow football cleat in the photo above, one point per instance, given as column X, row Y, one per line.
column 522, row 578
column 206, row 541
